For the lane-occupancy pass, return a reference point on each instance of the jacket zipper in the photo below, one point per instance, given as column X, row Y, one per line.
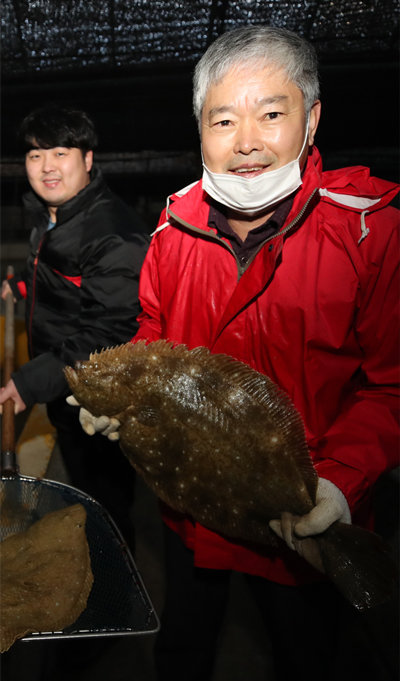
column 35, row 266
column 284, row 231
column 241, row 268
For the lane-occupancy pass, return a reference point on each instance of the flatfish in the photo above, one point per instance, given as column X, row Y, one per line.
column 46, row 575
column 217, row 440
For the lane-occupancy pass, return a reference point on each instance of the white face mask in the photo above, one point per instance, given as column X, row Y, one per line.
column 252, row 195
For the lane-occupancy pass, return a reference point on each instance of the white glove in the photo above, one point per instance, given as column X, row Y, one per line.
column 331, row 505
column 96, row 424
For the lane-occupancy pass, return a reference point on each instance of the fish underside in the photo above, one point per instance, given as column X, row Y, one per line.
column 219, row 441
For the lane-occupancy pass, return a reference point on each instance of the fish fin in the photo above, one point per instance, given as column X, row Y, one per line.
column 277, row 403
column 126, row 350
column 360, row 564
column 112, row 353
column 160, row 347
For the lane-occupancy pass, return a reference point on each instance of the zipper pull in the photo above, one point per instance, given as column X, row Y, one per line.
column 36, row 258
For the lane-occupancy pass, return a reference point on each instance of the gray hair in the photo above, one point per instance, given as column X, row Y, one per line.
column 263, row 45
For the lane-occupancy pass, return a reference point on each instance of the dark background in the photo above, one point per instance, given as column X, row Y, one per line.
column 129, row 64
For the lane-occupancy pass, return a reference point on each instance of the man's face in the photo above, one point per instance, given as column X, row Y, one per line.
column 253, row 121
column 58, row 174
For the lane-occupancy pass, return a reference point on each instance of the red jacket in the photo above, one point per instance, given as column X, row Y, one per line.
column 316, row 310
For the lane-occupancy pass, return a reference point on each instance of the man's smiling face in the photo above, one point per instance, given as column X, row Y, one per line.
column 58, row 174
column 253, row 121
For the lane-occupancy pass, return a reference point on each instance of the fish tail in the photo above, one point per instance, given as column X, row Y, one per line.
column 360, row 564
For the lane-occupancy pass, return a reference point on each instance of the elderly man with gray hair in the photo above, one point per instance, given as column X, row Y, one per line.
column 293, row 271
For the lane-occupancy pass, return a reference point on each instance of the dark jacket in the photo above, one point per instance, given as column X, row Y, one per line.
column 80, row 284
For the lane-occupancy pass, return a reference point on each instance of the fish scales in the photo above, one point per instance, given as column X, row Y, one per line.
column 212, row 437
column 182, row 415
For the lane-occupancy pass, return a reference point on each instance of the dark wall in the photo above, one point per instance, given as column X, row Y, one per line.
column 150, row 109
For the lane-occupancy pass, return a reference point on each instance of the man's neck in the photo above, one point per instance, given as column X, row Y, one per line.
column 242, row 225
column 52, row 213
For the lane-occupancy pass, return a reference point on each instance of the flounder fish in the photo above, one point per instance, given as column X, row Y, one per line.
column 46, row 575
column 217, row 440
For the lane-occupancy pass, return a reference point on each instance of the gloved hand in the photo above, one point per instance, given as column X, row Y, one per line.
column 96, row 424
column 297, row 531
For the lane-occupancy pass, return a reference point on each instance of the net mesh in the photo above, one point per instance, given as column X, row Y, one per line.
column 42, row 35
column 118, row 603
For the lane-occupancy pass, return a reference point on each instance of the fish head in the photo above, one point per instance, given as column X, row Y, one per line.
column 102, row 384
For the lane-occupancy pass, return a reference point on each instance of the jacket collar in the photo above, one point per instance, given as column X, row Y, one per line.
column 191, row 204
column 352, row 188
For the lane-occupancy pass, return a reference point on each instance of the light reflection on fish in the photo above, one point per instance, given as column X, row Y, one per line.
column 221, row 442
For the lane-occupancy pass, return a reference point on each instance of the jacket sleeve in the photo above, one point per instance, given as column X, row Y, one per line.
column 109, row 295
column 149, row 319
column 18, row 287
column 41, row 379
column 363, row 442
column 108, row 310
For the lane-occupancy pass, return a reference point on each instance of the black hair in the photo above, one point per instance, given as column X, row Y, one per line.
column 56, row 126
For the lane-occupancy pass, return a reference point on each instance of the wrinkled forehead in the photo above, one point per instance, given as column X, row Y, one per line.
column 254, row 68
column 250, row 85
